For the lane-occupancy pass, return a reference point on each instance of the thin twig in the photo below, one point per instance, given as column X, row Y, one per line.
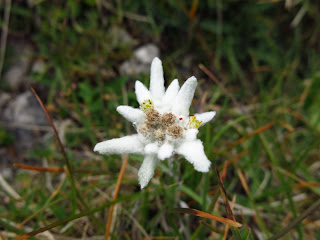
column 39, row 169
column 57, row 136
column 115, row 195
column 69, row 172
column 4, row 34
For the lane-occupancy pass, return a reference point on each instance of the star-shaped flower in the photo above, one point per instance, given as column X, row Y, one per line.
column 163, row 124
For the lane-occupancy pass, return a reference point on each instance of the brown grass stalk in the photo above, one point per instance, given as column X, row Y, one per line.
column 39, row 169
column 257, row 131
column 226, row 229
column 199, row 213
column 224, row 196
column 55, row 132
column 230, row 161
column 115, row 195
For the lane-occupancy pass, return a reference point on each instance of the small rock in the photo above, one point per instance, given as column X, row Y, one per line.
column 15, row 76
column 24, row 110
column 6, row 173
column 132, row 67
column 38, row 66
column 141, row 60
column 145, row 54
column 4, row 99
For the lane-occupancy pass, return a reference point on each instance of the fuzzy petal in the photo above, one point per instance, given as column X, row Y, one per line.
column 194, row 153
column 151, row 148
column 205, row 117
column 191, row 134
column 165, row 151
column 146, row 170
column 172, row 92
column 131, row 114
column 156, row 79
column 124, row 145
column 184, row 98
column 142, row 92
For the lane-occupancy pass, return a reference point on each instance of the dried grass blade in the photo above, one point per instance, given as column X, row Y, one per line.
column 259, row 130
column 226, row 229
column 54, row 129
column 115, row 195
column 306, row 184
column 39, row 169
column 193, row 9
column 198, row 213
column 232, row 160
column 69, row 172
column 243, row 181
column 224, row 195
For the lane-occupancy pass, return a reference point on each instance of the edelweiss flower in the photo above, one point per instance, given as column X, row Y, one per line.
column 163, row 124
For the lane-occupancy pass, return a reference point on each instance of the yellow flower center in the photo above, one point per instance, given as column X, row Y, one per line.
column 193, row 122
column 146, row 105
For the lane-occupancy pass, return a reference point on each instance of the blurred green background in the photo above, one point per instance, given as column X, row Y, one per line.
column 83, row 57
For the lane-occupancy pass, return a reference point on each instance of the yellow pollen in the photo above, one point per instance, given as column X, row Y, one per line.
column 146, row 105
column 193, row 122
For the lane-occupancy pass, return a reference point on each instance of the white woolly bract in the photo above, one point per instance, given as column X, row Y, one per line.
column 171, row 93
column 142, row 92
column 124, row 145
column 165, row 151
column 159, row 137
column 151, row 148
column 191, row 134
column 146, row 170
column 156, row 79
column 184, row 98
column 194, row 153
column 205, row 117
column 131, row 114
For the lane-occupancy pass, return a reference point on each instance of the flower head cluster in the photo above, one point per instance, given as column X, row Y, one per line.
column 163, row 124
